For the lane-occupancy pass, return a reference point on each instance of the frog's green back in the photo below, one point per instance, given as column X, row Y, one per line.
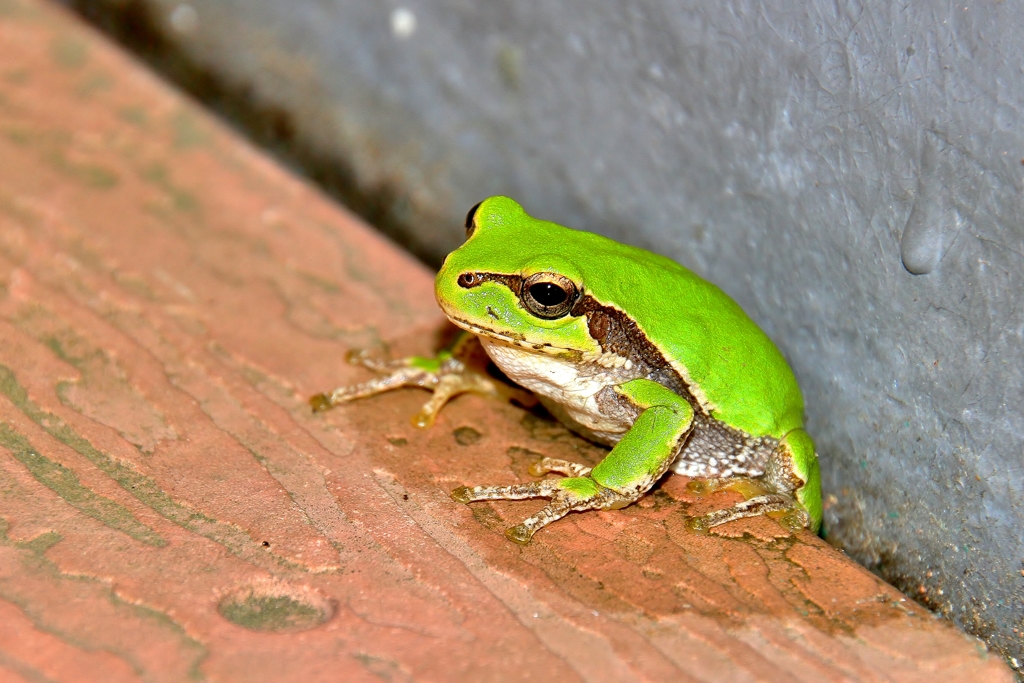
column 714, row 344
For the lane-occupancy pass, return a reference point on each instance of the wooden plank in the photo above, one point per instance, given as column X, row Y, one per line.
column 171, row 510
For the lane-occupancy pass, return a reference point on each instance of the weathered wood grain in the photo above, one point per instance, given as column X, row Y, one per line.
column 170, row 510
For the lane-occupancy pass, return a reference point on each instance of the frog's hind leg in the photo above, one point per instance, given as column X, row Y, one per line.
column 791, row 483
column 754, row 507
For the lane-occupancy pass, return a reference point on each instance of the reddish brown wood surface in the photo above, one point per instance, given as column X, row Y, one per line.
column 170, row 510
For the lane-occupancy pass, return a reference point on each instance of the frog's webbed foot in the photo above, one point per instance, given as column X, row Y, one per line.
column 782, row 488
column 794, row 519
column 448, row 386
column 445, row 375
column 574, row 494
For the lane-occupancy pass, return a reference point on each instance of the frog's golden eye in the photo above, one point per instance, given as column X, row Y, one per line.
column 469, row 280
column 549, row 295
column 470, row 224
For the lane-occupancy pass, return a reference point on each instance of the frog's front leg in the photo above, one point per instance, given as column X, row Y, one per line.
column 791, row 483
column 446, row 375
column 632, row 467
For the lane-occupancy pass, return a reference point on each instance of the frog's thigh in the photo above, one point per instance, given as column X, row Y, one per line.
column 793, row 469
column 645, row 452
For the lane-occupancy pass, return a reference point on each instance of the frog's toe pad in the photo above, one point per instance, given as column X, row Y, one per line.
column 699, row 524
column 794, row 519
column 423, row 420
column 519, row 534
column 319, row 403
column 463, row 495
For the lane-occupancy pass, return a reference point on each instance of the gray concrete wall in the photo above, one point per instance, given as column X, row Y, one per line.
column 850, row 172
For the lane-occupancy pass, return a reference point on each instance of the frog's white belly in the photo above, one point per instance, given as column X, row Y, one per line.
column 573, row 386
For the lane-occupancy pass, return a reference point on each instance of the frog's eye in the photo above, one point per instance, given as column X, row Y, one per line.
column 549, row 295
column 469, row 280
column 470, row 224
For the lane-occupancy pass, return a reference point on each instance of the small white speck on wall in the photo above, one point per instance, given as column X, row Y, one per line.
column 403, row 23
column 184, row 18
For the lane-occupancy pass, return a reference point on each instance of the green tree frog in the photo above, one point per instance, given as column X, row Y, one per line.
column 630, row 350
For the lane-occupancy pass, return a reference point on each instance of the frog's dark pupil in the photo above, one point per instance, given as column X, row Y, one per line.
column 548, row 294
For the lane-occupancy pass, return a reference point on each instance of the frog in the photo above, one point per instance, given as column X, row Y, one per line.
column 627, row 348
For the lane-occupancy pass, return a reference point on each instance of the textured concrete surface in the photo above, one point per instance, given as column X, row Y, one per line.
column 170, row 509
column 850, row 172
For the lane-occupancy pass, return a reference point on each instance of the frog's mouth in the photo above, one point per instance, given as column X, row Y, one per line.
column 518, row 340
column 510, row 339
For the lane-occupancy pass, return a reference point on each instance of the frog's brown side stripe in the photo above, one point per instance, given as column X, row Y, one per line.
column 513, row 282
column 617, row 333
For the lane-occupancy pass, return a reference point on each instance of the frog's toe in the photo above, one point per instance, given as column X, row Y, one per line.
column 401, row 377
column 520, row 534
column 536, row 489
column 446, row 386
column 319, row 403
column 569, row 469
column 424, row 419
column 559, row 507
column 463, row 495
column 699, row 524
column 356, row 356
column 574, row 494
column 794, row 519
column 754, row 507
column 362, row 358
